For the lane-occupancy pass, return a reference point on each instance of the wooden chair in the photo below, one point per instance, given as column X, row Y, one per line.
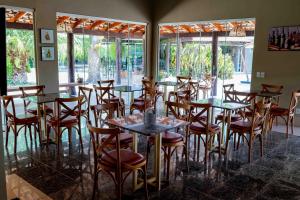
column 272, row 89
column 183, row 96
column 102, row 112
column 149, row 83
column 206, row 84
column 118, row 163
column 37, row 90
column 251, row 128
column 146, row 100
column 17, row 121
column 68, row 116
column 238, row 97
column 287, row 114
column 86, row 102
column 171, row 140
column 183, row 82
column 105, row 94
column 194, row 89
column 202, row 129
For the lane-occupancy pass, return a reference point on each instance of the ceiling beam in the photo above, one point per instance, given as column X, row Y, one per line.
column 78, row 22
column 187, row 28
column 17, row 16
column 61, row 19
column 95, row 24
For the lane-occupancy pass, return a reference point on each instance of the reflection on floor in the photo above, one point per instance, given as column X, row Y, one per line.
column 69, row 176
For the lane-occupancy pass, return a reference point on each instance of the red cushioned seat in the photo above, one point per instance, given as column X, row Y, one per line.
column 196, row 126
column 127, row 157
column 71, row 120
column 234, row 118
column 125, row 139
column 277, row 111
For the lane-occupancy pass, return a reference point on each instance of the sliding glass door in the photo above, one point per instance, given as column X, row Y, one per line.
column 103, row 50
column 219, row 51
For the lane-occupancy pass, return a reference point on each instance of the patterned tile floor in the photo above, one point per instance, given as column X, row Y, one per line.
column 69, row 176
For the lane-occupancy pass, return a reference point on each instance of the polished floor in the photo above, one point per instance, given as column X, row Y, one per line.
column 69, row 176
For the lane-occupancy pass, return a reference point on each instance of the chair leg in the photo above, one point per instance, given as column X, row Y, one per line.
column 261, row 145
column 292, row 125
column 95, row 183
column 250, row 149
column 7, row 131
column 168, row 162
column 219, row 141
column 287, row 128
column 145, row 182
column 198, row 148
column 15, row 147
column 30, row 132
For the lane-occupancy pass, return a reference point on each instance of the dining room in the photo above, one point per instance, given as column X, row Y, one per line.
column 128, row 99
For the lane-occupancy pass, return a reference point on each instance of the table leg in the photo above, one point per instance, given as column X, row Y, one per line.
column 228, row 131
column 134, row 173
column 132, row 98
column 157, row 162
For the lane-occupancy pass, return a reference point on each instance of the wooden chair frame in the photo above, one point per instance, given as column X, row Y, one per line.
column 102, row 148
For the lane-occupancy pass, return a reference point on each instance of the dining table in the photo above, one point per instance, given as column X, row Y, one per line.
column 228, row 108
column 135, row 125
column 42, row 101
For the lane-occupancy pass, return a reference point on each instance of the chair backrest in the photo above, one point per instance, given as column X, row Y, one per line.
column 183, row 82
column 200, row 112
column 28, row 91
column 228, row 87
column 104, row 94
column 243, row 98
column 102, row 147
column 67, row 107
column 261, row 111
column 272, row 89
column 194, row 89
column 109, row 109
column 106, row 83
column 182, row 96
column 294, row 102
column 86, row 102
column 207, row 82
column 178, row 110
column 9, row 107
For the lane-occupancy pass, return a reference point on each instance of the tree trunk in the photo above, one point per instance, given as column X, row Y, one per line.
column 93, row 61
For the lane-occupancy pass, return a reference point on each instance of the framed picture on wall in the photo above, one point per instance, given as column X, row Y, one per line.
column 284, row 38
column 47, row 53
column 47, row 36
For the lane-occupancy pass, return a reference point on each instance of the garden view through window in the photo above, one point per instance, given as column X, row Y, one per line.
column 221, row 50
column 101, row 50
column 21, row 67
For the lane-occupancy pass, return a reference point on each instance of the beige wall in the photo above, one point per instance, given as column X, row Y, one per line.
column 45, row 17
column 279, row 67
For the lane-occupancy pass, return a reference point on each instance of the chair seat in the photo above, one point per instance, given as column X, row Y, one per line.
column 241, row 125
column 69, row 121
column 128, row 157
column 34, row 111
column 197, row 127
column 125, row 139
column 277, row 111
column 168, row 138
column 234, row 118
column 25, row 118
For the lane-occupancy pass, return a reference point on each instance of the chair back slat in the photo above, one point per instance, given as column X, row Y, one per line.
column 9, row 107
column 104, row 94
column 86, row 102
column 199, row 112
column 261, row 111
column 67, row 107
column 28, row 91
column 178, row 110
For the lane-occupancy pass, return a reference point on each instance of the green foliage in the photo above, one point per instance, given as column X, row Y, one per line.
column 194, row 60
column 20, row 55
